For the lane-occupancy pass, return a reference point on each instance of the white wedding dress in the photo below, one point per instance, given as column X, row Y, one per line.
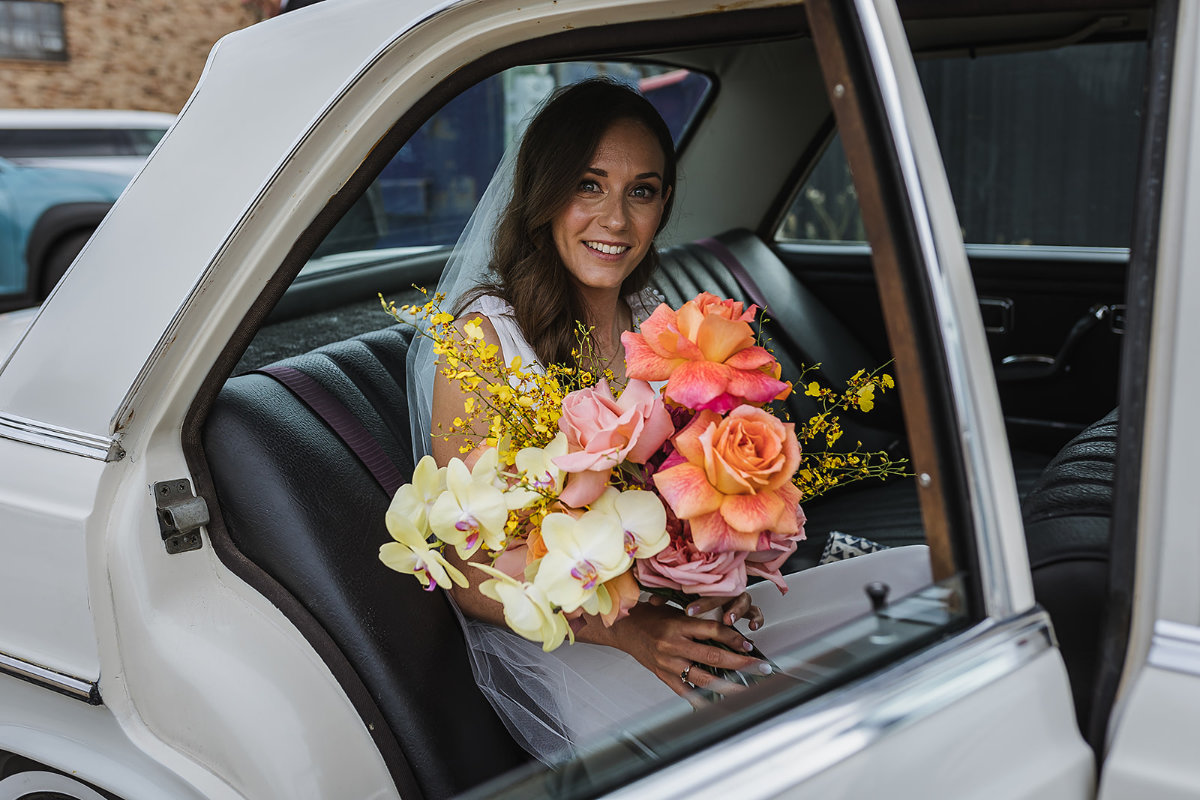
column 553, row 703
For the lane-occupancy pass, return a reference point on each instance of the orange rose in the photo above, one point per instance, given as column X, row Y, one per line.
column 731, row 479
column 706, row 353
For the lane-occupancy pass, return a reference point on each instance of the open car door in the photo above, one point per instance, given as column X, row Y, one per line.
column 958, row 689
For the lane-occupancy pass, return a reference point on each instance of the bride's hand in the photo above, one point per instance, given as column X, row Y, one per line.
column 668, row 642
column 733, row 609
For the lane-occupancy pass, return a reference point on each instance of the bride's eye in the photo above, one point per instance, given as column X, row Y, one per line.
column 644, row 192
column 588, row 186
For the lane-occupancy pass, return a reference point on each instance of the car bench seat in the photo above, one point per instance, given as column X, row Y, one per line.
column 299, row 504
column 1067, row 517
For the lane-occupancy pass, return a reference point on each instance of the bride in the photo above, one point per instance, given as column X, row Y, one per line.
column 564, row 235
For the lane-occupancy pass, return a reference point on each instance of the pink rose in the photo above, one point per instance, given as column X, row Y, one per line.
column 602, row 433
column 773, row 551
column 680, row 566
column 706, row 353
column 731, row 479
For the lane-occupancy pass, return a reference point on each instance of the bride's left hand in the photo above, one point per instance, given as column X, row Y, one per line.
column 733, row 608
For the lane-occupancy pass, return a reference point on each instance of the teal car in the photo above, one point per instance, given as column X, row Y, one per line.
column 47, row 214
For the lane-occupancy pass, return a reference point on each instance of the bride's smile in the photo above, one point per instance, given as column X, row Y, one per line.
column 605, row 229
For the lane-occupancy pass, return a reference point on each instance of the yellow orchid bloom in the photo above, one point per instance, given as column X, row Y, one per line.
column 581, row 554
column 527, row 610
column 413, row 501
column 642, row 516
column 471, row 512
column 411, row 554
column 536, row 464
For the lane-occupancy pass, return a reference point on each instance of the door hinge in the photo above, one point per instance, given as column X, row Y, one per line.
column 180, row 515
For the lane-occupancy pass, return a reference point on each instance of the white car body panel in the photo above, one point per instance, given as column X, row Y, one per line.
column 46, row 613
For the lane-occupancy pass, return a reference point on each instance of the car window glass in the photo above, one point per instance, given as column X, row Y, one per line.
column 425, row 195
column 1039, row 148
column 60, row 142
column 397, row 234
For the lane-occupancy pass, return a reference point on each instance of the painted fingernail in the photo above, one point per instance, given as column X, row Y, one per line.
column 753, row 626
column 693, row 610
column 765, row 668
column 732, row 618
column 747, row 645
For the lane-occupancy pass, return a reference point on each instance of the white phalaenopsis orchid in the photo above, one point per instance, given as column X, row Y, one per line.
column 527, row 610
column 581, row 554
column 413, row 501
column 472, row 511
column 537, row 466
column 410, row 553
column 643, row 519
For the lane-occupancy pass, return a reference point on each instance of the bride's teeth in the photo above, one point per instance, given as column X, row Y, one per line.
column 607, row 249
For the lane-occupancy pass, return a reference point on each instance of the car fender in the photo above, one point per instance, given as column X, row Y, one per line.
column 56, row 221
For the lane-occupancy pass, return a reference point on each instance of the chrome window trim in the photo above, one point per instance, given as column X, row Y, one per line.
column 989, row 514
column 79, row 688
column 981, row 252
column 1175, row 646
column 65, row 440
column 825, row 731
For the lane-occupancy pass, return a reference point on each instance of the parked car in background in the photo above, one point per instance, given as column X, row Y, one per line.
column 191, row 599
column 60, row 171
column 46, row 217
column 100, row 139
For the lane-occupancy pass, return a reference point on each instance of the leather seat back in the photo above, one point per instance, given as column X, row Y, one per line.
column 298, row 504
column 799, row 328
column 1067, row 517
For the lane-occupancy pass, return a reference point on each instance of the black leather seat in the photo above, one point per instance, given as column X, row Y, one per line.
column 799, row 327
column 1067, row 517
column 298, row 504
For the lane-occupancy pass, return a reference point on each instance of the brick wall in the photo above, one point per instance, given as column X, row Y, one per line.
column 138, row 54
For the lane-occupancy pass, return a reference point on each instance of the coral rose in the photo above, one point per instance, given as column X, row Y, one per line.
column 731, row 479
column 602, row 432
column 706, row 353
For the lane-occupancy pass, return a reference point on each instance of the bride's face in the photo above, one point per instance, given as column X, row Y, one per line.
column 608, row 225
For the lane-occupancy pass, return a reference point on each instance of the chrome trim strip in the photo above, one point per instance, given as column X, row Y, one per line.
column 978, row 252
column 79, row 688
column 124, row 410
column 990, row 515
column 827, row 730
column 53, row 437
column 1176, row 647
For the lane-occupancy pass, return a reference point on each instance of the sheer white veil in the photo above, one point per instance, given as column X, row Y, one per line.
column 467, row 267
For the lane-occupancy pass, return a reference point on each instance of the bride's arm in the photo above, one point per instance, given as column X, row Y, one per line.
column 662, row 638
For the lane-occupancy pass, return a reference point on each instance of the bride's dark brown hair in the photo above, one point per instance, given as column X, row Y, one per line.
column 556, row 150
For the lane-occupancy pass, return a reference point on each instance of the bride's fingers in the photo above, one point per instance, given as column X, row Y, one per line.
column 736, row 609
column 703, row 679
column 709, row 656
column 705, row 604
column 755, row 616
column 719, row 632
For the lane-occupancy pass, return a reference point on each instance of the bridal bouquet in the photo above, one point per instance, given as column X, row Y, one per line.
column 587, row 496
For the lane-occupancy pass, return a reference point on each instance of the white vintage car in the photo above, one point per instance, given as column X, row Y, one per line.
column 191, row 602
